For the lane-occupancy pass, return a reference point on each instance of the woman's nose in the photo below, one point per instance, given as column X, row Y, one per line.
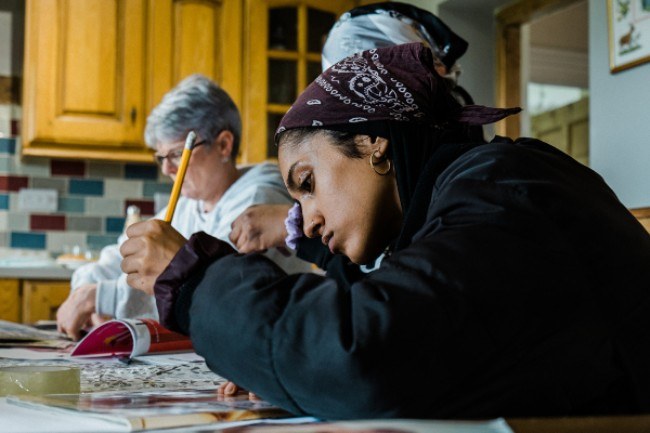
column 312, row 227
column 167, row 168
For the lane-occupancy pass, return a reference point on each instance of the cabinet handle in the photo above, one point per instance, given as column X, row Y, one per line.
column 134, row 114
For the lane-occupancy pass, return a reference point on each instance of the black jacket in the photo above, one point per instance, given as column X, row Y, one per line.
column 525, row 291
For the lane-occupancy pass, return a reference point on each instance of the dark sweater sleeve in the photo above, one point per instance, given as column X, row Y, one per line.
column 314, row 346
column 186, row 267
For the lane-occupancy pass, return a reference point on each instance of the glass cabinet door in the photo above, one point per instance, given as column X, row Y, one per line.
column 285, row 43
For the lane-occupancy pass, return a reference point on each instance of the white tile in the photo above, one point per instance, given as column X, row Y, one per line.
column 4, row 221
column 5, row 120
column 160, row 200
column 59, row 242
column 121, row 189
column 35, row 167
column 16, row 111
column 5, row 43
column 13, row 201
column 18, row 222
column 104, row 207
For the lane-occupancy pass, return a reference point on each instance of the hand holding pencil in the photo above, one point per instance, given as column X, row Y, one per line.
column 152, row 244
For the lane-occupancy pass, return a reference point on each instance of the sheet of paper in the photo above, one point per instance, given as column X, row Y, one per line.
column 311, row 425
column 171, row 359
column 20, row 353
column 18, row 419
column 18, row 331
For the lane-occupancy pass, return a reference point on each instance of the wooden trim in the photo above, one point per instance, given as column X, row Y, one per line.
column 643, row 216
column 594, row 424
column 66, row 151
column 641, row 213
column 509, row 19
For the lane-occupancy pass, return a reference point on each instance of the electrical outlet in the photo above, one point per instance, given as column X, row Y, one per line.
column 41, row 200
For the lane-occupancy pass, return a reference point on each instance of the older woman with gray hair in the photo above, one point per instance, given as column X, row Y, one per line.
column 214, row 193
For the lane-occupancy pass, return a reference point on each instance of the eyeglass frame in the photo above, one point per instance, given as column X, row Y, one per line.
column 175, row 154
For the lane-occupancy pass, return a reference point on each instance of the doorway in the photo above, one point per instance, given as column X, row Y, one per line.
column 555, row 79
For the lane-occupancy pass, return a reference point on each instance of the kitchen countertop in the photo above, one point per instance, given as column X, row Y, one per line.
column 36, row 273
column 25, row 264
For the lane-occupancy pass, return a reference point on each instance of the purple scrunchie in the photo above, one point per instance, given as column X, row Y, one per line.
column 293, row 223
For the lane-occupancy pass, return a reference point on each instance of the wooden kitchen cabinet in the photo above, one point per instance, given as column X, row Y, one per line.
column 95, row 68
column 41, row 299
column 283, row 55
column 26, row 301
column 10, row 300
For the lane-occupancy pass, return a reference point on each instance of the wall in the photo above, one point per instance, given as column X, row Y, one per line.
column 619, row 127
column 478, row 65
column 619, row 133
column 478, row 29
column 92, row 196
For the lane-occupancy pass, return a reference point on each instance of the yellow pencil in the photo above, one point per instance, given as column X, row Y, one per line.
column 180, row 175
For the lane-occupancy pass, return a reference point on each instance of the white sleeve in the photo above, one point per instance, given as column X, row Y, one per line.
column 268, row 190
column 106, row 268
column 262, row 185
column 114, row 297
column 117, row 299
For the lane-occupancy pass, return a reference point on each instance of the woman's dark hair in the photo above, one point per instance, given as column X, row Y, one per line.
column 344, row 141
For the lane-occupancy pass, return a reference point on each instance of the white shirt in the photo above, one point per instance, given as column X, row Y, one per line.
column 260, row 184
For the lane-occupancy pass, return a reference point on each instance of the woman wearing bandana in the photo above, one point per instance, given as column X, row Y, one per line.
column 512, row 282
column 366, row 27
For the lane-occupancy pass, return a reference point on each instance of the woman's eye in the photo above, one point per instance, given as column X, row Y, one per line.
column 306, row 183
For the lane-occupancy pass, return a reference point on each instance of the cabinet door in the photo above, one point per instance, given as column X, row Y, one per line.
column 284, row 39
column 10, row 300
column 41, row 299
column 84, row 79
column 194, row 36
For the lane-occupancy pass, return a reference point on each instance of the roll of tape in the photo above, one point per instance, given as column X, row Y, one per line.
column 39, row 380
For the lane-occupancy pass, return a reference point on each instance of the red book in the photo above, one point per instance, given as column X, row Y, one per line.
column 129, row 338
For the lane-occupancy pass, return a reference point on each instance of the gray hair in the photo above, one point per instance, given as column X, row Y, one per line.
column 196, row 104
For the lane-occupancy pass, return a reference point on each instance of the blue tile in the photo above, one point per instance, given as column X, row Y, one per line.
column 150, row 188
column 86, row 187
column 72, row 205
column 114, row 224
column 8, row 145
column 28, row 240
column 97, row 242
column 4, row 201
column 141, row 171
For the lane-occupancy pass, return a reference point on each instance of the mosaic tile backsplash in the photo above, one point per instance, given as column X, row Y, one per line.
column 91, row 204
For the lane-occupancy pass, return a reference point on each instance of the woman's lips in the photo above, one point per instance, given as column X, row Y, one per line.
column 328, row 241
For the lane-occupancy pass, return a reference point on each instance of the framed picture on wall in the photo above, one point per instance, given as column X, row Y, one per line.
column 629, row 33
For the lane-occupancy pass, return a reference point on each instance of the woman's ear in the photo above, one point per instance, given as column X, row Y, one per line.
column 223, row 143
column 380, row 147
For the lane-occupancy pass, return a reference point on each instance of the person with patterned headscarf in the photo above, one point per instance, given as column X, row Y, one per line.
column 366, row 27
column 512, row 281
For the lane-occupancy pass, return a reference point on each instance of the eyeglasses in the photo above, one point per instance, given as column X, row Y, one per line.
column 174, row 157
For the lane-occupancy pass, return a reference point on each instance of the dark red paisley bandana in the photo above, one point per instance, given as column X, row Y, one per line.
column 395, row 83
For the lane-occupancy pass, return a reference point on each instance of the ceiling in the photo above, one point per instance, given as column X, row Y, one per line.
column 564, row 29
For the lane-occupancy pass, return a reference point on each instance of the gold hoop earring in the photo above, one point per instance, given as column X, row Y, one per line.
column 374, row 168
